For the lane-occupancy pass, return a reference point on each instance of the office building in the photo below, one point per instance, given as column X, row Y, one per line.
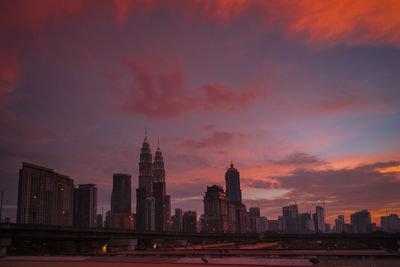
column 391, row 223
column 232, row 179
column 85, row 210
column 121, row 195
column 291, row 218
column 190, row 222
column 215, row 210
column 44, row 196
column 361, row 222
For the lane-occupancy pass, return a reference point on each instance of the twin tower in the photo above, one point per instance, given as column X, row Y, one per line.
column 153, row 206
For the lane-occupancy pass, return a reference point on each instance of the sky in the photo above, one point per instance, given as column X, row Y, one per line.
column 302, row 96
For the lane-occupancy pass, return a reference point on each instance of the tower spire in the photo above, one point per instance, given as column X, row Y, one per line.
column 231, row 164
column 145, row 135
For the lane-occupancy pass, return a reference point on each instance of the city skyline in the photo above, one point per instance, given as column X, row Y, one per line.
column 303, row 97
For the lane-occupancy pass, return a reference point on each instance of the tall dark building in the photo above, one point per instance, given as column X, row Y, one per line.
column 85, row 206
column 162, row 201
column 190, row 222
column 361, row 222
column 144, row 192
column 44, row 196
column 232, row 179
column 216, row 217
column 121, row 195
column 291, row 218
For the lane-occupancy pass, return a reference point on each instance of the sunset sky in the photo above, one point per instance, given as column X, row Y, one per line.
column 302, row 96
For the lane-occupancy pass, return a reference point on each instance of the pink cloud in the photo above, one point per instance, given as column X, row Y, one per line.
column 218, row 139
column 9, row 70
column 160, row 92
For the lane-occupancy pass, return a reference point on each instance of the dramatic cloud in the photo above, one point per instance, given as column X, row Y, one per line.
column 160, row 92
column 344, row 190
column 217, row 140
column 299, row 159
column 9, row 70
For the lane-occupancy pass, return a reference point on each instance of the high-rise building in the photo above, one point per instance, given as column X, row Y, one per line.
column 121, row 195
column 162, row 201
column 215, row 210
column 190, row 222
column 291, row 218
column 177, row 221
column 273, row 225
column 123, row 220
column 254, row 213
column 361, row 222
column 99, row 221
column 391, row 223
column 150, row 212
column 242, row 219
column 85, row 210
column 261, row 224
column 232, row 179
column 44, row 196
column 107, row 221
column 339, row 224
column 144, row 214
column 306, row 224
column 320, row 220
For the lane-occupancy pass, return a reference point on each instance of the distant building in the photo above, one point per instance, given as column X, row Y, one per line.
column 177, row 221
column 339, row 224
column 254, row 212
column 242, row 219
column 273, row 225
column 327, row 227
column 190, row 222
column 261, row 224
column 291, row 218
column 44, row 196
column 361, row 222
column 391, row 223
column 99, row 221
column 215, row 210
column 306, row 224
column 319, row 220
column 232, row 179
column 162, row 201
column 145, row 216
column 121, row 194
column 86, row 206
column 107, row 221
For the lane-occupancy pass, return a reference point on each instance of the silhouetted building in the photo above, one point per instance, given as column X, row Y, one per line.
column 99, row 221
column 291, row 218
column 107, row 221
column 177, row 221
column 190, row 222
column 121, row 194
column 86, row 206
column 144, row 214
column 242, row 219
column 306, row 224
column 261, row 224
column 123, row 220
column 162, row 201
column 319, row 220
column 254, row 212
column 391, row 223
column 232, row 179
column 361, row 222
column 339, row 224
column 44, row 196
column 215, row 210
column 273, row 225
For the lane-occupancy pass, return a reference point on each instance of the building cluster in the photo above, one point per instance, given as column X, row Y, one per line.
column 47, row 197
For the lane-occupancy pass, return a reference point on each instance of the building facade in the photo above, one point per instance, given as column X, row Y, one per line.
column 216, row 218
column 121, row 195
column 190, row 222
column 85, row 206
column 44, row 196
column 232, row 179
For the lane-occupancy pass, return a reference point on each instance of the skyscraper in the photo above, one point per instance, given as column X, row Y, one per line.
column 291, row 218
column 361, row 222
column 215, row 210
column 320, row 223
column 44, row 196
column 85, row 206
column 145, row 189
column 339, row 224
column 190, row 222
column 162, row 201
column 232, row 179
column 121, row 196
